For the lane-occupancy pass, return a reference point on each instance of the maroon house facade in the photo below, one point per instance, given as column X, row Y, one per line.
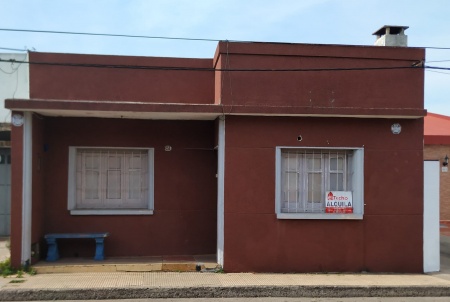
column 234, row 156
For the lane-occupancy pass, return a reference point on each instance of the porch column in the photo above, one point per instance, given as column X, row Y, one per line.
column 220, row 190
column 26, row 188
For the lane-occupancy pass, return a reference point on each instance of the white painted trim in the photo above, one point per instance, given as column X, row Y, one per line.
column 71, row 203
column 358, row 186
column 71, row 190
column 319, row 216
column 358, row 181
column 27, row 187
column 221, row 191
column 431, row 239
column 111, row 212
column 320, row 148
column 277, row 179
column 151, row 181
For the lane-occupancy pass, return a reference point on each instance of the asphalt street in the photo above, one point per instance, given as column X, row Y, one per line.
column 409, row 299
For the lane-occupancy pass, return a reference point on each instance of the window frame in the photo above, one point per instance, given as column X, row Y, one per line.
column 357, row 185
column 72, row 202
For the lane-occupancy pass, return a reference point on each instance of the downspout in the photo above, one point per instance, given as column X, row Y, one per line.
column 220, row 190
column 26, row 189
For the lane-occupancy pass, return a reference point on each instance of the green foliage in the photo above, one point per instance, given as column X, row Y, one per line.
column 7, row 270
column 17, row 281
column 219, row 270
column 31, row 271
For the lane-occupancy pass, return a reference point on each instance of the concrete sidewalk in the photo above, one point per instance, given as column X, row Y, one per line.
column 86, row 286
column 4, row 250
column 128, row 285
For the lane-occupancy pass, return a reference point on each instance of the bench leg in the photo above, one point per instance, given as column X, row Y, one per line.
column 52, row 252
column 99, row 249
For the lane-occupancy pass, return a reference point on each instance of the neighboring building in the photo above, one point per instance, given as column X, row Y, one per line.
column 437, row 147
column 5, row 179
column 14, row 84
column 14, row 77
column 234, row 155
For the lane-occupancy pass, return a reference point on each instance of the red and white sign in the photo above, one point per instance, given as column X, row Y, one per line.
column 339, row 202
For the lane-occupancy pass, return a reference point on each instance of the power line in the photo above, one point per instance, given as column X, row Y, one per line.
column 437, row 67
column 12, row 49
column 433, row 47
column 437, row 61
column 107, row 35
column 148, row 37
column 441, row 72
column 211, row 69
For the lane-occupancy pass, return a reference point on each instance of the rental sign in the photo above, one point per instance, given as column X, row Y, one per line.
column 339, row 202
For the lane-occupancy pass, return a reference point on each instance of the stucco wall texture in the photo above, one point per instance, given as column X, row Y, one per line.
column 333, row 109
column 184, row 219
column 120, row 84
column 255, row 240
column 438, row 152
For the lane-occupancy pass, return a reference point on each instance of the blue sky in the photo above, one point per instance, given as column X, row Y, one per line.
column 299, row 21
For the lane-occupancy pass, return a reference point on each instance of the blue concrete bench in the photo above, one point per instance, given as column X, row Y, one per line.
column 53, row 254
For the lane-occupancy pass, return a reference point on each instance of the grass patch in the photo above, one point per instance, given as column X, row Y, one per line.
column 219, row 270
column 7, row 270
column 17, row 281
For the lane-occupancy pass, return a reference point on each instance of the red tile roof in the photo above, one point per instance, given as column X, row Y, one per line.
column 437, row 129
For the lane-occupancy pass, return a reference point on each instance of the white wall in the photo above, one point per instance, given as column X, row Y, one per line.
column 14, row 82
column 431, row 247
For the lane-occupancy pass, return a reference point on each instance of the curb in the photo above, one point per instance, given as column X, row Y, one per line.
column 224, row 292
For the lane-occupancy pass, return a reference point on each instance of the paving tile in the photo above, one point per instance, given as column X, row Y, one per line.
column 4, row 251
column 182, row 280
column 171, row 279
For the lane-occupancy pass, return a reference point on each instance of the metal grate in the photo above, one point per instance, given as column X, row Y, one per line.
column 308, row 173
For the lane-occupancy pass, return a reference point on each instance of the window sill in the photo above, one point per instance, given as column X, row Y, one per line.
column 111, row 212
column 319, row 216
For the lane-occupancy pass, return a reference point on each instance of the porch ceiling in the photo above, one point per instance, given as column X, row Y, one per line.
column 129, row 115
column 179, row 111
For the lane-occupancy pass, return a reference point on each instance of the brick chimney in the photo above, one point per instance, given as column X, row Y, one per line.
column 391, row 35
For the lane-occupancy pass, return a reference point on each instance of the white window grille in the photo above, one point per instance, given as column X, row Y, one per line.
column 304, row 175
column 110, row 179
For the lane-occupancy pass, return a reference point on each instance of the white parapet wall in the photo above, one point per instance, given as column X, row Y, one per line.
column 14, row 81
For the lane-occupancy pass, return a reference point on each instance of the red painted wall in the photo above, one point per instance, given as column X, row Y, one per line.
column 388, row 239
column 120, row 84
column 184, row 219
column 16, row 194
column 38, row 198
column 396, row 88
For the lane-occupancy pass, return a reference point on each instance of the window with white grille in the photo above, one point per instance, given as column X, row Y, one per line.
column 105, row 180
column 306, row 176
